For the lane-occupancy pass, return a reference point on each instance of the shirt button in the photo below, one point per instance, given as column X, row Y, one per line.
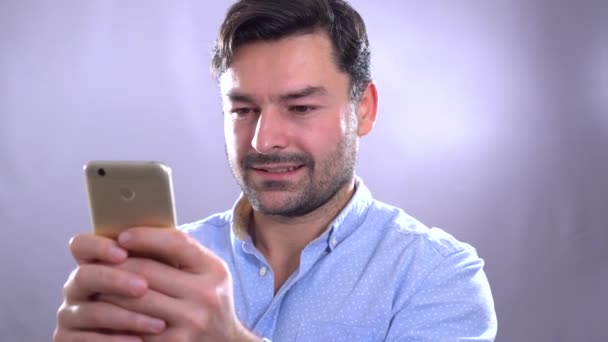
column 263, row 271
column 334, row 242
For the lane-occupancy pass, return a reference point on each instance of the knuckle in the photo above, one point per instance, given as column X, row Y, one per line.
column 193, row 319
column 132, row 265
column 128, row 318
column 203, row 322
column 71, row 316
column 68, row 283
column 97, row 278
column 60, row 335
column 137, row 321
column 140, row 266
column 78, row 277
column 223, row 271
column 77, row 245
column 180, row 335
column 73, row 242
column 179, row 239
column 60, row 315
column 91, row 315
column 212, row 300
column 105, row 249
column 219, row 272
column 103, row 276
column 87, row 316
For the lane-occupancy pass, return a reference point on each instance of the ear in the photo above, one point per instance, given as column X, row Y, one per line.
column 367, row 109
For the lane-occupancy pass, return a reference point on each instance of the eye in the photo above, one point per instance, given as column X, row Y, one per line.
column 302, row 109
column 243, row 112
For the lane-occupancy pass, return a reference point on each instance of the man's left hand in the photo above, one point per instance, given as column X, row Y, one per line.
column 194, row 297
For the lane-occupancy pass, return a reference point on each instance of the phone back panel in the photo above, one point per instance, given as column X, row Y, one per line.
column 125, row 194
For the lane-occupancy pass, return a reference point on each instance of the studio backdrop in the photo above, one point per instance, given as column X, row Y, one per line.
column 493, row 125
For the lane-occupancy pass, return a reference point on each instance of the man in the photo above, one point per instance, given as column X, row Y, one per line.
column 306, row 253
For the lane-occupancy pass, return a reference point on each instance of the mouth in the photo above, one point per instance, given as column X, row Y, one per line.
column 277, row 169
column 277, row 172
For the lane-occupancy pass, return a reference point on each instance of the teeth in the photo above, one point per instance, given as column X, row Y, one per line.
column 284, row 170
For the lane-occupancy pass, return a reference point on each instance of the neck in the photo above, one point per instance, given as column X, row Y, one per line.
column 281, row 239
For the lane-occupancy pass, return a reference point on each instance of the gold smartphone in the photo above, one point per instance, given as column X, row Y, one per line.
column 125, row 194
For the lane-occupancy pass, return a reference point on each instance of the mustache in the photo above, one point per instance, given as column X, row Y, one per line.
column 258, row 159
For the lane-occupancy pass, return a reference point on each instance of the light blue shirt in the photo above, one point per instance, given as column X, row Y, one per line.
column 376, row 274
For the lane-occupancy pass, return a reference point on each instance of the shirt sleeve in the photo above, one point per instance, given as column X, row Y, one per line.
column 454, row 303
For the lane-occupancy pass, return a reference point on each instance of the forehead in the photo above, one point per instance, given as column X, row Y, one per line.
column 294, row 62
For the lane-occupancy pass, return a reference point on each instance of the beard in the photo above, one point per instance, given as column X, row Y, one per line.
column 324, row 178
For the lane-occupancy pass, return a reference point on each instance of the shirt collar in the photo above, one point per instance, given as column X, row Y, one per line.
column 351, row 217
column 241, row 215
column 347, row 221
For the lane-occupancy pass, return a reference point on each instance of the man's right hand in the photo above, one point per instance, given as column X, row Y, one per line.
column 81, row 317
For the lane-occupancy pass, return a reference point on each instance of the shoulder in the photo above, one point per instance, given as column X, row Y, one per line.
column 406, row 230
column 440, row 279
column 215, row 224
column 425, row 257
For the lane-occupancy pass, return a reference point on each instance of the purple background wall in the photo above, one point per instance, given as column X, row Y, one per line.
column 493, row 125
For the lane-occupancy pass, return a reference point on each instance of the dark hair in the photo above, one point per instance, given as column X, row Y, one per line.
column 249, row 21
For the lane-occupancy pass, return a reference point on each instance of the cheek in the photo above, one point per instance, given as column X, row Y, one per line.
column 238, row 137
column 230, row 138
column 228, row 135
column 325, row 136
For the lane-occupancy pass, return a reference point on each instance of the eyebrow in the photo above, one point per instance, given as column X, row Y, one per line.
column 235, row 96
column 301, row 93
column 309, row 91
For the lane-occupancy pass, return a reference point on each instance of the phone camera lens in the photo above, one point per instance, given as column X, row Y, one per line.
column 101, row 172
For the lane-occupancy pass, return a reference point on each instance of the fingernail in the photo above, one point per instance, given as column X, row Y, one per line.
column 124, row 237
column 118, row 253
column 137, row 285
column 156, row 325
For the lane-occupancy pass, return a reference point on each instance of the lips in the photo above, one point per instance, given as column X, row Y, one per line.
column 277, row 169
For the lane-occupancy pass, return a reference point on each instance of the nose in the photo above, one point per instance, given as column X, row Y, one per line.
column 270, row 132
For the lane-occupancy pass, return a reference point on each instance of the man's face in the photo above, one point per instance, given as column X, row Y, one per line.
column 290, row 129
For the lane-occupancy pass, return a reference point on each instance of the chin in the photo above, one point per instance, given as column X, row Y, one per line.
column 273, row 204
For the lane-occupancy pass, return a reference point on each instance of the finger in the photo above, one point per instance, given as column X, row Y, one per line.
column 173, row 245
column 88, row 248
column 89, row 279
column 79, row 336
column 101, row 316
column 156, row 304
column 171, row 334
column 163, row 278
